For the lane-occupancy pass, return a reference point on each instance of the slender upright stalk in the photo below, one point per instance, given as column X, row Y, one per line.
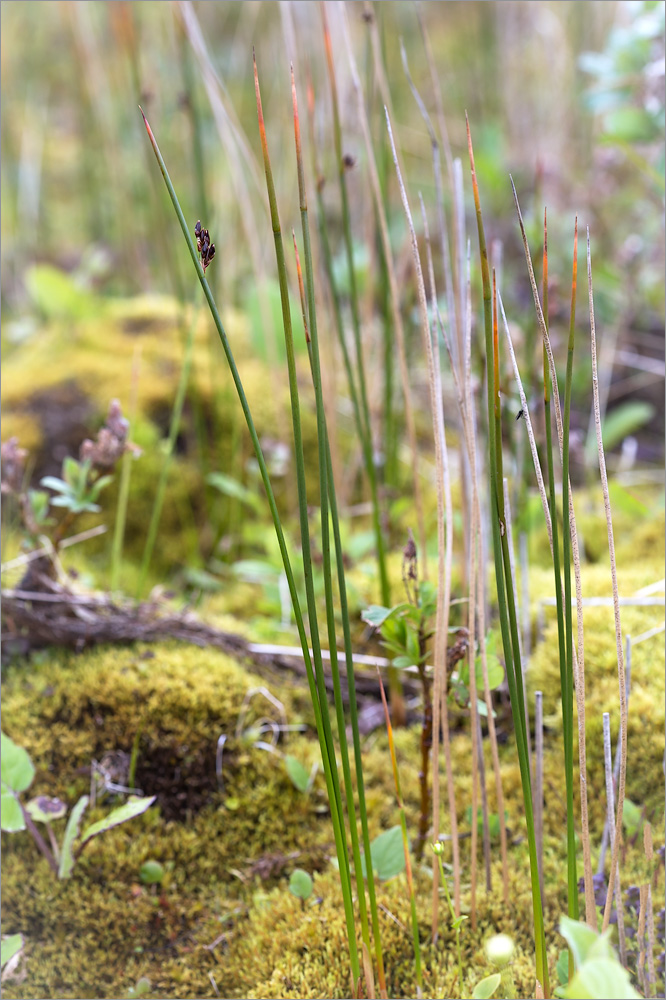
column 616, row 601
column 440, row 703
column 341, row 843
column 567, row 690
column 405, row 842
column 160, row 492
column 125, row 475
column 395, row 296
column 328, row 756
column 356, row 320
column 503, row 580
column 327, row 484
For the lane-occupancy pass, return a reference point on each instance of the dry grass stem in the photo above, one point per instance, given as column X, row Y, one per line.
column 622, row 681
column 393, row 286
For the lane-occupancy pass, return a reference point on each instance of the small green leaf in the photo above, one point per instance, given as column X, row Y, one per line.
column 10, row 946
column 11, row 816
column 624, row 420
column 387, row 853
column 562, row 967
column 132, row 808
column 15, row 765
column 151, row 873
column 141, row 987
column 632, row 817
column 375, row 615
column 402, row 662
column 55, row 294
column 486, row 987
column 71, row 833
column 299, row 774
column 44, row 810
column 232, row 488
column 300, row 884
column 602, row 977
column 579, row 937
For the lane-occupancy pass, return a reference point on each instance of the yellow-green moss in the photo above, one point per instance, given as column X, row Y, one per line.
column 229, row 857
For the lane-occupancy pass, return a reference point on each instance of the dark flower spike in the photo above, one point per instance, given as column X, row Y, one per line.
column 204, row 245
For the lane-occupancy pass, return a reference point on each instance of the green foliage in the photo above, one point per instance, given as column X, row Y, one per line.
column 11, row 945
column 45, row 810
column 625, row 419
column 18, row 773
column 486, row 987
column 402, row 626
column 151, row 873
column 621, row 77
column 232, row 488
column 300, row 776
column 388, row 854
column 632, row 818
column 140, row 988
column 56, row 295
column 300, row 884
column 78, row 490
column 598, row 975
column 67, row 858
column 16, row 768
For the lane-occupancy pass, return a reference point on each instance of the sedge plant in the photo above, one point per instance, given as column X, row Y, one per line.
column 314, row 664
column 505, row 592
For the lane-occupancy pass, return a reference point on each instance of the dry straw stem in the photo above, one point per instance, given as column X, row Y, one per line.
column 444, row 541
column 610, row 803
column 479, row 576
column 616, row 604
column 393, row 285
column 578, row 656
column 455, row 314
column 439, row 196
column 241, row 160
column 442, row 481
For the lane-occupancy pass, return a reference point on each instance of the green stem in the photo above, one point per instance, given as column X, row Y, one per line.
column 345, row 876
column 322, row 732
column 356, row 324
column 505, row 592
column 567, row 690
column 174, row 427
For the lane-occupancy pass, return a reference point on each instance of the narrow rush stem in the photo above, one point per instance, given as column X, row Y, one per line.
column 503, row 580
column 327, row 484
column 616, row 602
column 362, row 410
column 395, row 295
column 512, row 564
column 538, row 780
column 405, row 840
column 567, row 690
column 341, row 843
column 437, row 416
column 440, row 702
column 160, row 492
column 300, row 624
column 479, row 575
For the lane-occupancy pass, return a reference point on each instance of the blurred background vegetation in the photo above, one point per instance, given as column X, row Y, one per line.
column 568, row 97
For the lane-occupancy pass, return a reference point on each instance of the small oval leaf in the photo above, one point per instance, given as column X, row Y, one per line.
column 300, row 884
column 486, row 987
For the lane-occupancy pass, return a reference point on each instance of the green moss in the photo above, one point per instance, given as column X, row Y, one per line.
column 59, row 393
column 228, row 854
